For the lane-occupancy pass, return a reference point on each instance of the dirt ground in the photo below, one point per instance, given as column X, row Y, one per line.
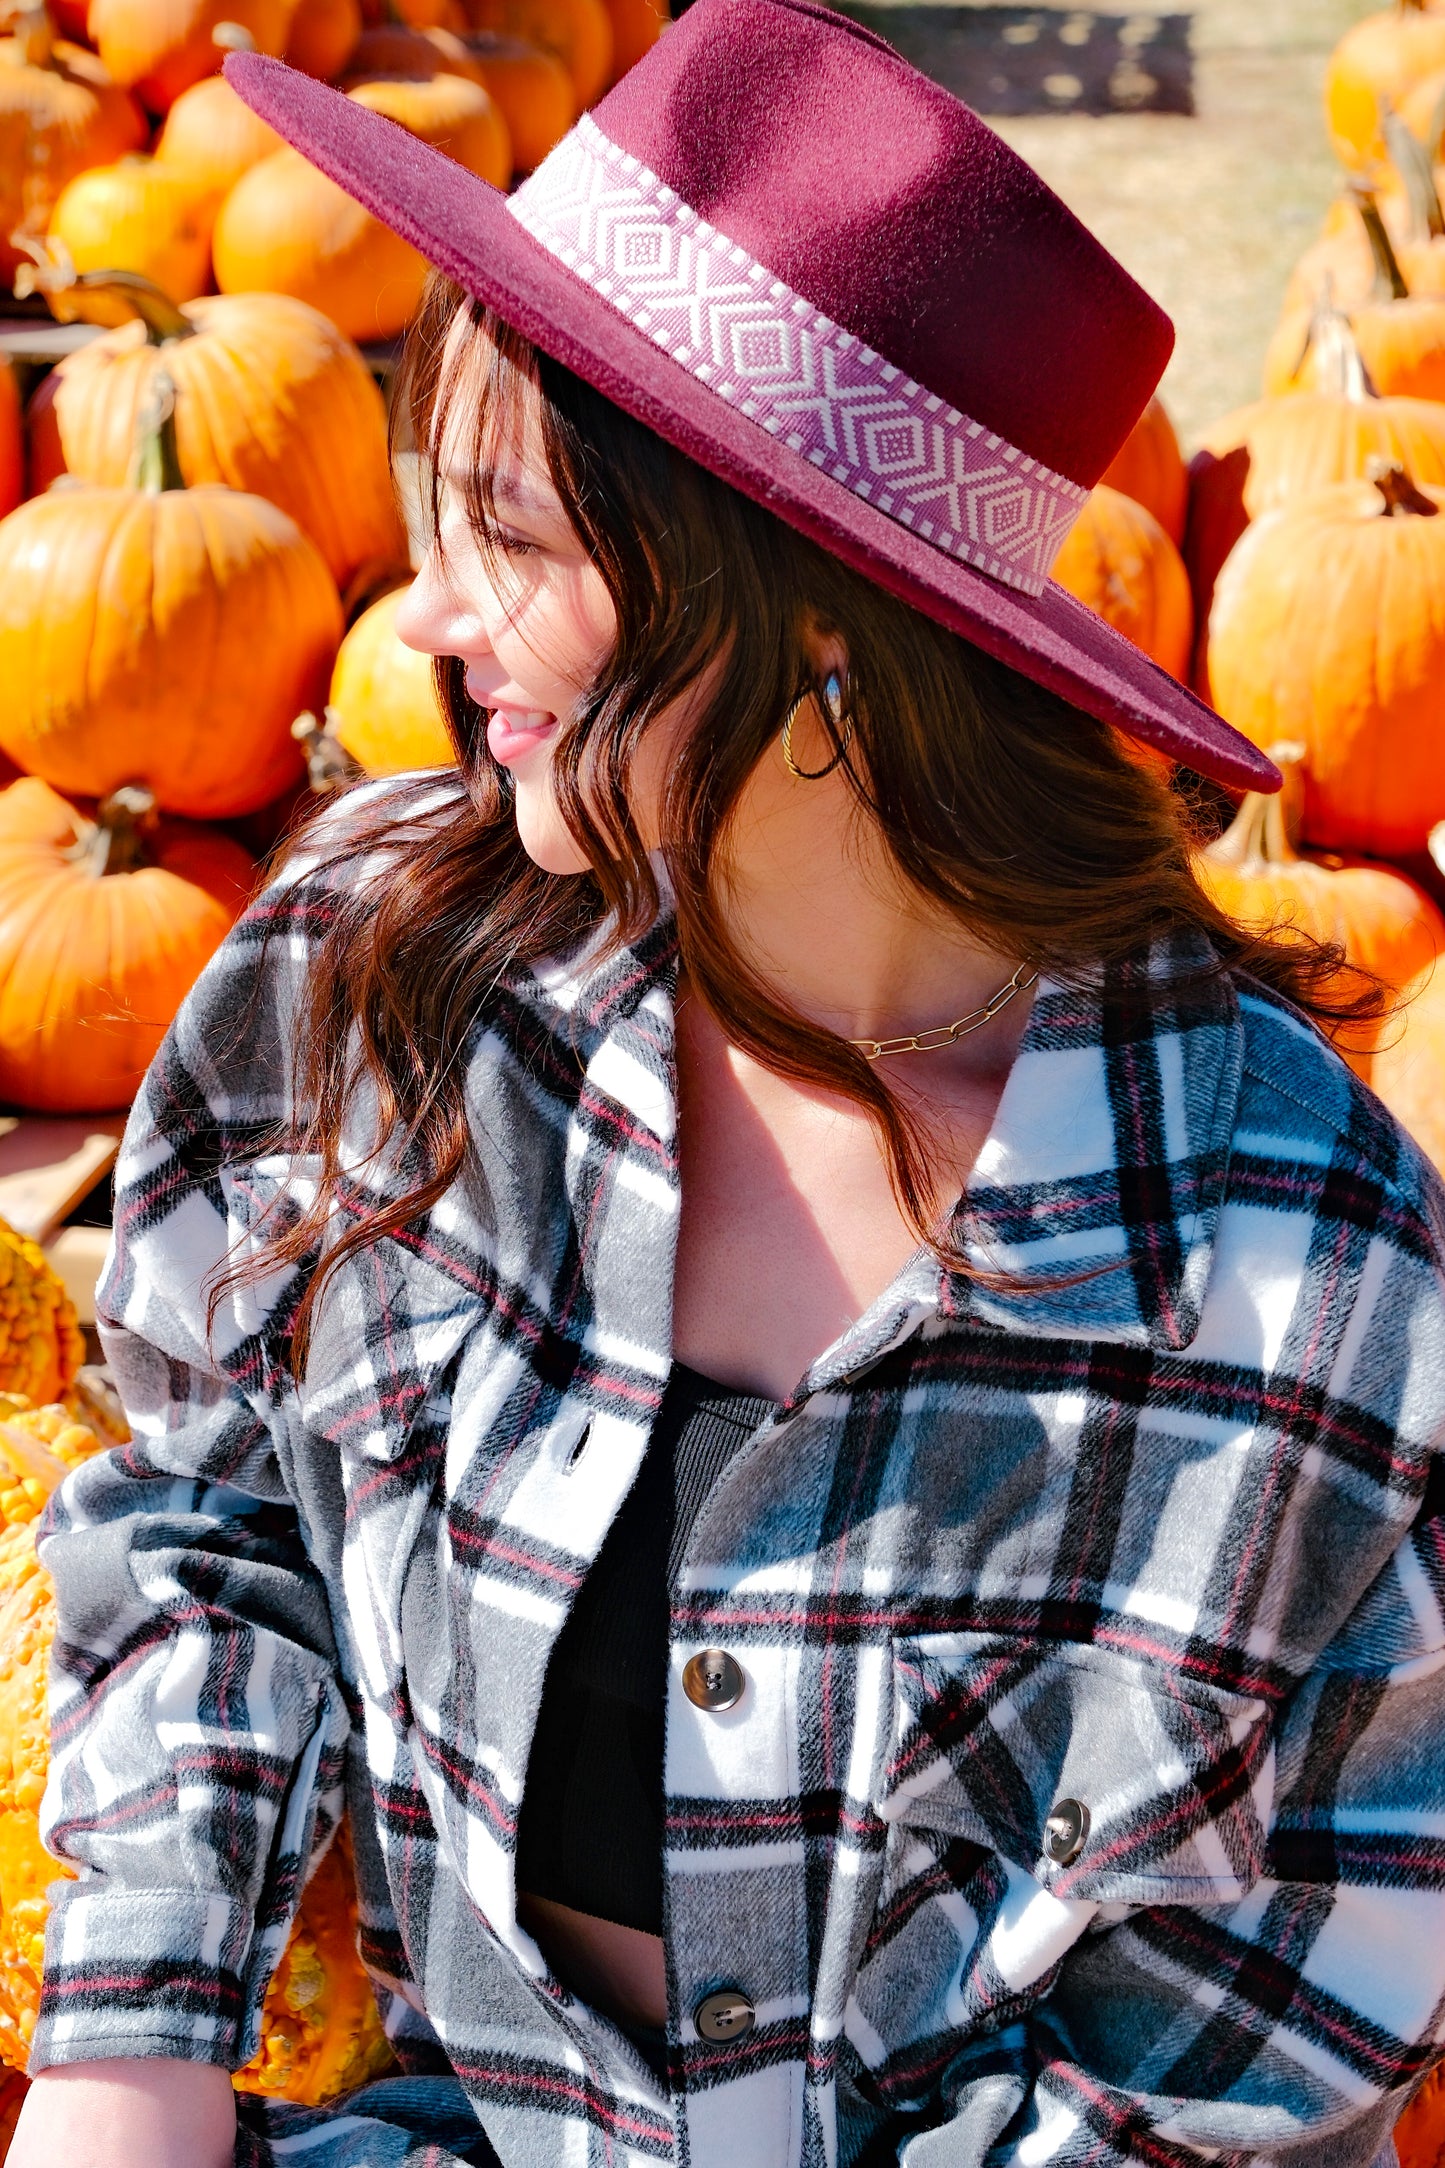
column 1210, row 211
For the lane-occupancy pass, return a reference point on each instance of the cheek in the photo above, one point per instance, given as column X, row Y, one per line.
column 559, row 631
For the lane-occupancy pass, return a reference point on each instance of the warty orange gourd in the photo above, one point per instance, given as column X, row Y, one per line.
column 59, row 114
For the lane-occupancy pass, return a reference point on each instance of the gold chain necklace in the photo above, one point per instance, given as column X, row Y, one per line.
column 925, row 1042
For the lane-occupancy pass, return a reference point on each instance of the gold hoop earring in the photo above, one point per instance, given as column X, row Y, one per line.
column 837, row 713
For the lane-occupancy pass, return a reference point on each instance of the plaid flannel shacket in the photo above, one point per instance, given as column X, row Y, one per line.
column 1157, row 1531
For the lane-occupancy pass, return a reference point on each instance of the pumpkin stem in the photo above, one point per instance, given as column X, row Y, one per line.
column 118, row 840
column 329, row 767
column 1412, row 162
column 1264, row 830
column 1398, row 491
column 157, row 464
column 34, row 33
column 1339, row 364
column 1389, row 278
column 96, row 297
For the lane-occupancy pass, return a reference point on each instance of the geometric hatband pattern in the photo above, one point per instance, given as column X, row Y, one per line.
column 780, row 361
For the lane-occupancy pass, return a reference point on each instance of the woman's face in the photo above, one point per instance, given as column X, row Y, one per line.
column 529, row 615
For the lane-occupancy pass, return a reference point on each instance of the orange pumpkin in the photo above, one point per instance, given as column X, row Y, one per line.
column 12, row 449
column 447, row 111
column 1399, row 326
column 415, row 14
column 59, row 113
column 323, row 36
column 161, row 47
column 270, row 398
column 214, row 137
column 397, row 49
column 1266, row 455
column 535, row 93
column 1422, row 109
column 1119, row 560
column 1375, row 64
column 285, row 228
column 636, row 27
column 104, row 926
column 1380, row 247
column 1328, row 627
column 161, row 635
column 1383, row 922
column 139, row 215
column 577, row 32
column 383, row 708
column 1149, row 467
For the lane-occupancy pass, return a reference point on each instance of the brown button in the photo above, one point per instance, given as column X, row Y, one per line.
column 1065, row 1831
column 713, row 1680
column 726, row 2014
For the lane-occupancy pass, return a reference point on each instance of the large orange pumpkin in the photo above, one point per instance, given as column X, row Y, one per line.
column 161, row 47
column 139, row 215
column 59, row 113
column 1328, row 627
column 1149, row 467
column 213, row 136
column 383, row 708
column 270, row 397
column 447, row 111
column 12, row 448
column 1374, row 65
column 320, row 2030
column 636, row 27
column 1420, row 2132
column 537, row 97
column 104, row 926
column 1268, row 454
column 578, row 32
column 1119, row 560
column 1383, row 922
column 161, row 635
column 323, row 36
column 285, row 228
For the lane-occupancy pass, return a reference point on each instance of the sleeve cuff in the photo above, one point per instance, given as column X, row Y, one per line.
column 154, row 1972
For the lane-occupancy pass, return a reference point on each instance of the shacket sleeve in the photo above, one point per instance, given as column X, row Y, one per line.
column 198, row 1727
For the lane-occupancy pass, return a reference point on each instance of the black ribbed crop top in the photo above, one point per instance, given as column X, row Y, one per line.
column 590, row 1831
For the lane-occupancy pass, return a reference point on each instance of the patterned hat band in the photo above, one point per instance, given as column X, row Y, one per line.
column 793, row 371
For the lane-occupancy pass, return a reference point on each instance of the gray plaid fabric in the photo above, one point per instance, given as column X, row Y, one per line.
column 1155, row 1532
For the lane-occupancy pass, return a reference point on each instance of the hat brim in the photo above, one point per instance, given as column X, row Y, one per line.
column 460, row 223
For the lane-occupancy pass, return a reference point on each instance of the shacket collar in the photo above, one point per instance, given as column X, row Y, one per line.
column 1098, row 1190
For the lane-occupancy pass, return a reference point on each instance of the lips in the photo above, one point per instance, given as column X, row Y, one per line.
column 514, row 732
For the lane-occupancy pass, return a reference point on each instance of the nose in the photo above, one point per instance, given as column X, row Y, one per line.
column 431, row 618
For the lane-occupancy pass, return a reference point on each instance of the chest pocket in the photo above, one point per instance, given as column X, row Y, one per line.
column 387, row 1327
column 1109, row 1778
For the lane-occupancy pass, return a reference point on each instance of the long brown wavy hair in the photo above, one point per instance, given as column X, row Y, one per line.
column 1043, row 831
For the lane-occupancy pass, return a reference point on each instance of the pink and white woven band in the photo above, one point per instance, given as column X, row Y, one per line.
column 792, row 370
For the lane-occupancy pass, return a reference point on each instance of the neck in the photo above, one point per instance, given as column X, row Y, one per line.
column 817, row 906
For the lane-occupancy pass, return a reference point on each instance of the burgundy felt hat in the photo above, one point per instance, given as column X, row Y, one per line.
column 828, row 282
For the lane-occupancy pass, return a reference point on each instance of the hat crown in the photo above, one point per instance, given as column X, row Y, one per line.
column 891, row 207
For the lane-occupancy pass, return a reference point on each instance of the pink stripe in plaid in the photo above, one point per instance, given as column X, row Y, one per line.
column 800, row 376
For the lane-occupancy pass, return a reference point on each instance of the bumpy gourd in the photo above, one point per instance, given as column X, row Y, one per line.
column 41, row 1344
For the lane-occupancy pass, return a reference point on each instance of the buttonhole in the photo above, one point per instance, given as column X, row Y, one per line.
column 579, row 1449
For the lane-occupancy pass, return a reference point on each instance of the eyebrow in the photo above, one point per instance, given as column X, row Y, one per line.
column 513, row 494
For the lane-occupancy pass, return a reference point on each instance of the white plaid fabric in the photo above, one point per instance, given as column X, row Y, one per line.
column 1164, row 1542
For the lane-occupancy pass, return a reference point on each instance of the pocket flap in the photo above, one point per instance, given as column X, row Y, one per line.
column 1156, row 1785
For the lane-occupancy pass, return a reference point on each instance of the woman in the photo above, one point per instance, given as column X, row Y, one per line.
column 753, row 1332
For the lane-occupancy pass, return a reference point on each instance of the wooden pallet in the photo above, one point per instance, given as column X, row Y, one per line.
column 48, row 1167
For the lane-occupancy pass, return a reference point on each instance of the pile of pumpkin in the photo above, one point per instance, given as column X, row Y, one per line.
column 120, row 148
column 321, row 2031
column 200, row 472
column 1294, row 572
